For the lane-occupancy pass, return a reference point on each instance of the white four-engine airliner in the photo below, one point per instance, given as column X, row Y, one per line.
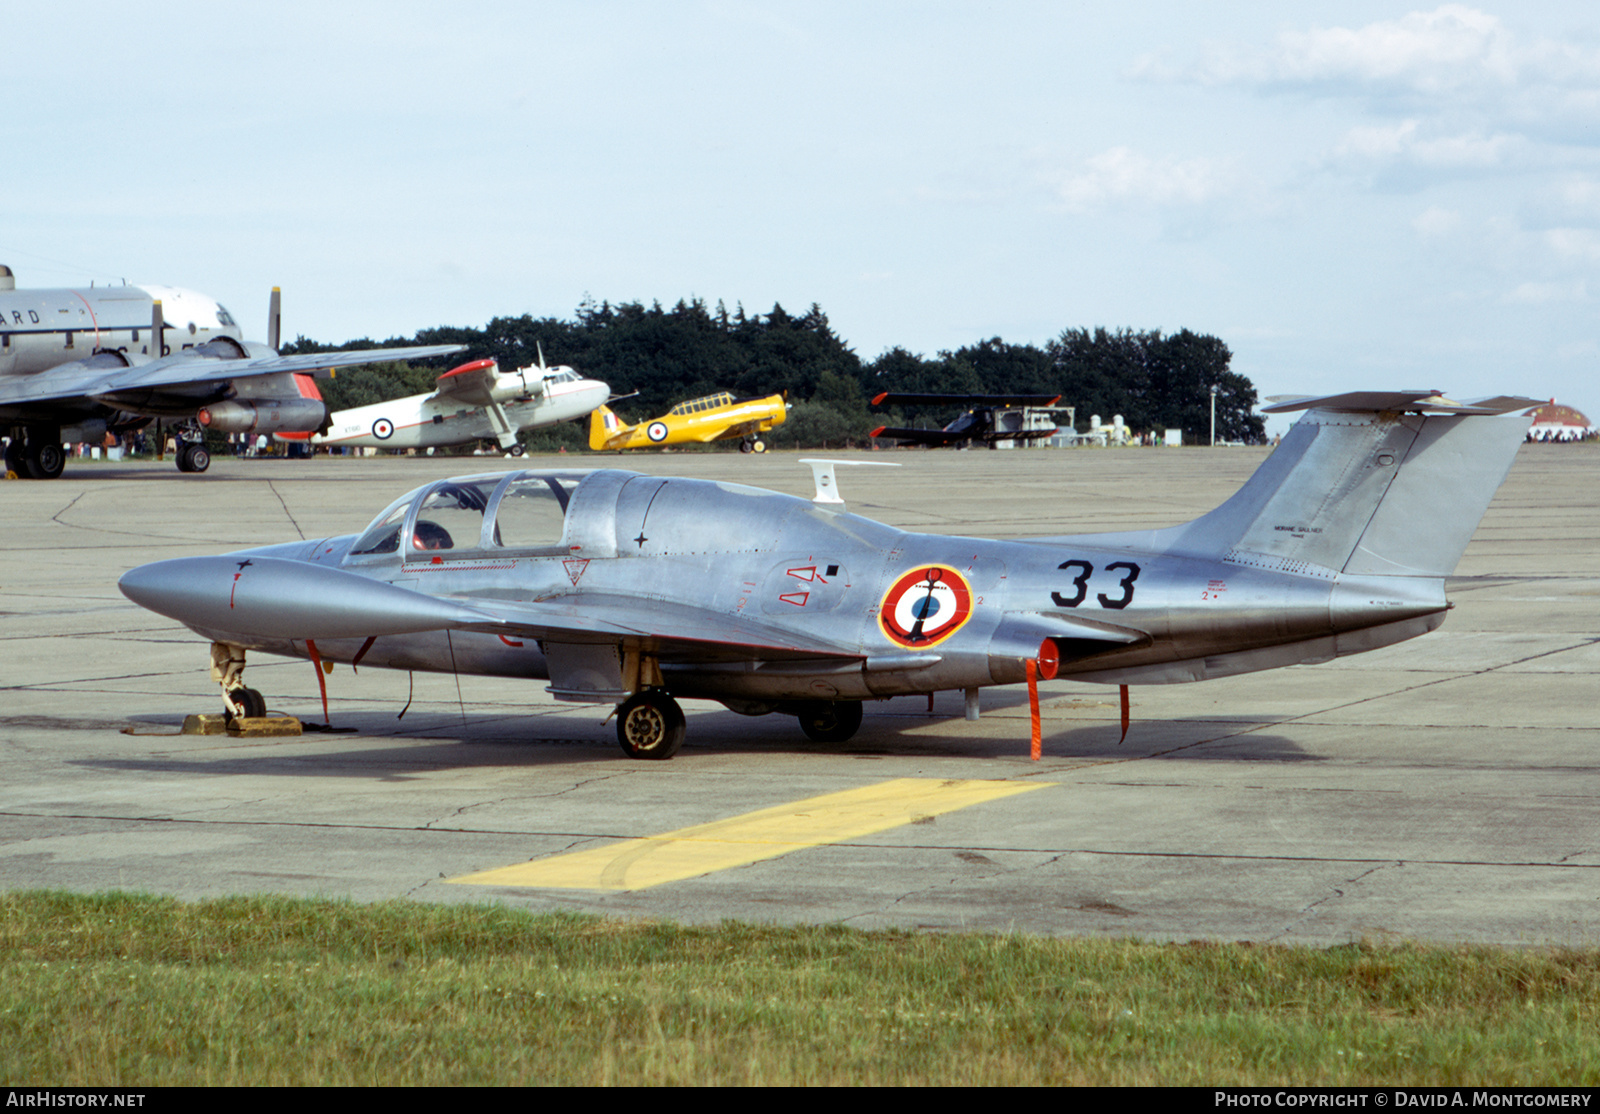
column 75, row 363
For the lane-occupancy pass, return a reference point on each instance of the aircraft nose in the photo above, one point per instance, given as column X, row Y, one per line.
column 155, row 586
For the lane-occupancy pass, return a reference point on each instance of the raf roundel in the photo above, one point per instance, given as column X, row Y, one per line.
column 657, row 431
column 926, row 606
column 382, row 429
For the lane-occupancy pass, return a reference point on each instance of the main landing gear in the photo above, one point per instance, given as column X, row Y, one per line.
column 650, row 725
column 193, row 456
column 752, row 445
column 39, row 457
column 830, row 721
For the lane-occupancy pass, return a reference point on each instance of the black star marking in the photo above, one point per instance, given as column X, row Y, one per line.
column 244, row 565
column 641, row 539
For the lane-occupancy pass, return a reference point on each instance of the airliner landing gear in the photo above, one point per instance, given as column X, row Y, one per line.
column 39, row 457
column 830, row 721
column 650, row 725
column 193, row 456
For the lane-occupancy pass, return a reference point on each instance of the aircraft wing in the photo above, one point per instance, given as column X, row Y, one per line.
column 105, row 374
column 472, row 384
column 672, row 631
column 889, row 399
column 924, row 436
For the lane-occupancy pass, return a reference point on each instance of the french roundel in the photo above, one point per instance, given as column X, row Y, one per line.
column 382, row 429
column 656, row 431
column 926, row 606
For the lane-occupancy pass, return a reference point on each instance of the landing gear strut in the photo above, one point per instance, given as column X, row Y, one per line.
column 830, row 721
column 227, row 669
column 650, row 725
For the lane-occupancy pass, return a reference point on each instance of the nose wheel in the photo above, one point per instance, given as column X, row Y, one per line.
column 650, row 725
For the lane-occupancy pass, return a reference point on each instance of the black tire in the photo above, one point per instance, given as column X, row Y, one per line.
column 181, row 457
column 45, row 460
column 746, row 446
column 517, row 449
column 251, row 702
column 650, row 725
column 199, row 458
column 831, row 721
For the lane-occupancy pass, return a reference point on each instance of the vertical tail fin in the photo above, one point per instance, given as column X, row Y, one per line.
column 1374, row 484
column 603, row 426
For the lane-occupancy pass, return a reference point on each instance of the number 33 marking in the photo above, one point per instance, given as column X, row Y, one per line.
column 1080, row 584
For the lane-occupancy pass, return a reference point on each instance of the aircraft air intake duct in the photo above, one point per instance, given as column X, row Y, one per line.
column 293, row 415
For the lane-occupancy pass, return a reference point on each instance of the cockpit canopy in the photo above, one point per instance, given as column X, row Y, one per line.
column 497, row 511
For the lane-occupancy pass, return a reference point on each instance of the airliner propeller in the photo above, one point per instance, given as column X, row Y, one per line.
column 274, row 318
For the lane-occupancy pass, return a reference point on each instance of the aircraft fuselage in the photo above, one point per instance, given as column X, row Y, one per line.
column 40, row 329
column 906, row 612
column 423, row 421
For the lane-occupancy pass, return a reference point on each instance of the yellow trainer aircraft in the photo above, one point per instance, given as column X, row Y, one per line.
column 711, row 418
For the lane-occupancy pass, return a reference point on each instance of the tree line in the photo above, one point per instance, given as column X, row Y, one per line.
column 1154, row 381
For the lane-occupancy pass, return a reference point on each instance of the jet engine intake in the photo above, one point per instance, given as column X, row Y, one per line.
column 264, row 415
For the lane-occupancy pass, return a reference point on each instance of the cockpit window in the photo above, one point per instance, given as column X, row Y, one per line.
column 383, row 536
column 224, row 317
column 533, row 512
column 451, row 515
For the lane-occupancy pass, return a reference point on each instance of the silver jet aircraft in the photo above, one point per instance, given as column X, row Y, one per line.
column 635, row 590
column 77, row 363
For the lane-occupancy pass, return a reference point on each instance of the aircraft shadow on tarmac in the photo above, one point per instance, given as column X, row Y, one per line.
column 442, row 741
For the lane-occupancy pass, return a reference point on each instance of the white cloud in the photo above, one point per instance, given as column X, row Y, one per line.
column 1540, row 293
column 1124, row 176
column 1453, row 59
column 1435, row 221
column 1431, row 52
column 1582, row 244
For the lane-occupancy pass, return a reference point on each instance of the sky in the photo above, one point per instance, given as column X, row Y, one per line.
column 1351, row 195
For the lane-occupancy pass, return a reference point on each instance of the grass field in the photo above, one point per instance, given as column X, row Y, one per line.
column 124, row 990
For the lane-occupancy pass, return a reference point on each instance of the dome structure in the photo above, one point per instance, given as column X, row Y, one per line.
column 1554, row 422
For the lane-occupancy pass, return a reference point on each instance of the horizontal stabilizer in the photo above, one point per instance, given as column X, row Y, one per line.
column 1378, row 402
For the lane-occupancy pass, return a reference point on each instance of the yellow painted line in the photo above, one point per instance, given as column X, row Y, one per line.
column 636, row 864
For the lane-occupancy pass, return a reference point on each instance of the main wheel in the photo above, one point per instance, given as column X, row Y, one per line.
column 193, row 457
column 650, row 725
column 16, row 458
column 746, row 446
column 250, row 702
column 831, row 721
column 759, row 446
column 46, row 459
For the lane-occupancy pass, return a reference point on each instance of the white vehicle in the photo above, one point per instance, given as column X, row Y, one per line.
column 473, row 402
